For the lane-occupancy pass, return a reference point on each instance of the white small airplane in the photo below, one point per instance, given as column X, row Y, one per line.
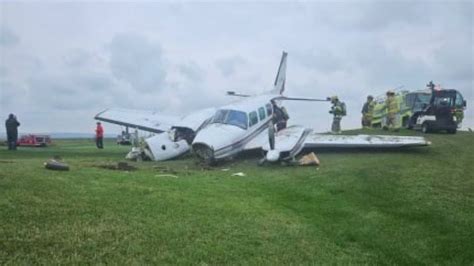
column 214, row 134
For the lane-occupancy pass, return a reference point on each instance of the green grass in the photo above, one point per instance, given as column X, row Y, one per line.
column 414, row 206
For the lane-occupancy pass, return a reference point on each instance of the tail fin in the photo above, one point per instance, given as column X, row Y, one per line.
column 279, row 86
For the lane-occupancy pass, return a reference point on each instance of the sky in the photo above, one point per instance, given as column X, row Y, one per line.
column 63, row 62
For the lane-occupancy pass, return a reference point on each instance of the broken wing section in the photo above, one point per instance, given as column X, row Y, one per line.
column 315, row 140
column 150, row 121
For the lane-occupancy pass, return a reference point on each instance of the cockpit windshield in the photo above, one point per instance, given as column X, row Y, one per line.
column 231, row 117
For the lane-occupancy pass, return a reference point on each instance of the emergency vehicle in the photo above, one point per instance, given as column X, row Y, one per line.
column 427, row 110
column 408, row 103
column 33, row 140
column 445, row 111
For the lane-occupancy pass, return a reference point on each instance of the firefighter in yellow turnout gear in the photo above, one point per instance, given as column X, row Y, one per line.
column 338, row 110
column 368, row 112
column 393, row 108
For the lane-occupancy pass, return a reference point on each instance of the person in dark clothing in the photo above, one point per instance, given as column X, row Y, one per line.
column 12, row 131
column 367, row 112
column 280, row 116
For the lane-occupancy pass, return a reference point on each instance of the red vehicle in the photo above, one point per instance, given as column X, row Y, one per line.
column 34, row 140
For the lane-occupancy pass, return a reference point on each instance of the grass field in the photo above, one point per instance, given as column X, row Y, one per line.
column 413, row 206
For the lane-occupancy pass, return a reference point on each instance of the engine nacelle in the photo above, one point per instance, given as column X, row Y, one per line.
column 162, row 147
column 273, row 156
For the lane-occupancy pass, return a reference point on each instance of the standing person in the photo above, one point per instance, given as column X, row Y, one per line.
column 12, row 125
column 367, row 112
column 338, row 109
column 391, row 104
column 99, row 136
column 286, row 117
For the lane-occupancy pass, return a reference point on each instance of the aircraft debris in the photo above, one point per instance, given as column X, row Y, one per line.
column 238, row 174
column 309, row 159
column 166, row 175
column 54, row 164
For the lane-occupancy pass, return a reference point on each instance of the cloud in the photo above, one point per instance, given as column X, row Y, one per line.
column 68, row 91
column 7, row 37
column 324, row 61
column 137, row 60
column 78, row 58
column 192, row 71
column 175, row 57
column 228, row 66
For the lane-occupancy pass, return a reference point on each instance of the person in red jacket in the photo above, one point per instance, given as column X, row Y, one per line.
column 99, row 136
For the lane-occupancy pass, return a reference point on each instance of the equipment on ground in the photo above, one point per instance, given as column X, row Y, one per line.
column 124, row 138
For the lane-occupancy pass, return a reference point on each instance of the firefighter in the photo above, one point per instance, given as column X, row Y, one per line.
column 338, row 110
column 99, row 136
column 12, row 125
column 391, row 104
column 367, row 112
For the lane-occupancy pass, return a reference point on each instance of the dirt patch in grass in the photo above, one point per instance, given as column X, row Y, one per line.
column 121, row 166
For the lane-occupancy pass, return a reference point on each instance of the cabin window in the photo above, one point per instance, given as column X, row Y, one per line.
column 261, row 113
column 269, row 109
column 253, row 118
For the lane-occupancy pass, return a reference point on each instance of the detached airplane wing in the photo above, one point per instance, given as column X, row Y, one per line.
column 153, row 121
column 317, row 140
column 290, row 141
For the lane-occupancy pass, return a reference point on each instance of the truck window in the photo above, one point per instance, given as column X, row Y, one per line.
column 459, row 100
column 444, row 101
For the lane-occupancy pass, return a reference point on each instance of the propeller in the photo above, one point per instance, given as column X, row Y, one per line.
column 272, row 155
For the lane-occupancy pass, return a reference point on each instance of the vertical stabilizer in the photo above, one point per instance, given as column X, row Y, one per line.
column 279, row 85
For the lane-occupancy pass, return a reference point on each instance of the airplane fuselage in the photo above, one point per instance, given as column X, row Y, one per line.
column 232, row 127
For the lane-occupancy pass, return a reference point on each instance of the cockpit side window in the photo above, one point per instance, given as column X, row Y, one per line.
column 237, row 118
column 231, row 117
column 220, row 116
column 269, row 109
column 253, row 118
column 261, row 113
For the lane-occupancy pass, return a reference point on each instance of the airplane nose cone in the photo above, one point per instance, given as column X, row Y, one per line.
column 215, row 137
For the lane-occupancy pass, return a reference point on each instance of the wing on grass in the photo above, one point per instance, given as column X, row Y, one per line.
column 315, row 140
